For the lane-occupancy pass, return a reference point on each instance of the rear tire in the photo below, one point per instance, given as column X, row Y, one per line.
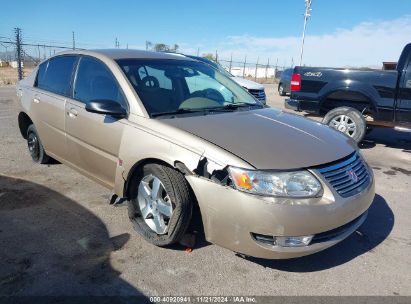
column 281, row 91
column 146, row 209
column 35, row 146
column 347, row 120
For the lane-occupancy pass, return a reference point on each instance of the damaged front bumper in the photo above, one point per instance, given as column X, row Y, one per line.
column 249, row 224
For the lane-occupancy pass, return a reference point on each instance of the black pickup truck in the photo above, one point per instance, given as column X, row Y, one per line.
column 354, row 100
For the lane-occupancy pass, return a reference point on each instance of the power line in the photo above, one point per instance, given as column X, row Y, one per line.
column 40, row 44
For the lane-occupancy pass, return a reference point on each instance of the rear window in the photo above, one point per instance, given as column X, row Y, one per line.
column 55, row 74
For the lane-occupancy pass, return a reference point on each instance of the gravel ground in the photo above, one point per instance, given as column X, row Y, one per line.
column 58, row 236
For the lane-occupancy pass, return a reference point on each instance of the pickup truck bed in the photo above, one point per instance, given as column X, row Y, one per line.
column 383, row 98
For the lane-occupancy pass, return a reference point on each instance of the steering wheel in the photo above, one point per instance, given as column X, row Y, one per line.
column 150, row 82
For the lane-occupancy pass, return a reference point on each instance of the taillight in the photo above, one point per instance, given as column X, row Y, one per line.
column 295, row 82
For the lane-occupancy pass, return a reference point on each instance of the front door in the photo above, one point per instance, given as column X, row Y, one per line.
column 93, row 140
column 403, row 111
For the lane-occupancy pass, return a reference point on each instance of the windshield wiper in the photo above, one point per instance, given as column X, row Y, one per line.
column 178, row 111
column 234, row 106
column 227, row 108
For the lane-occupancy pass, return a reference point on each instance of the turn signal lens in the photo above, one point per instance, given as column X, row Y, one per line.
column 242, row 180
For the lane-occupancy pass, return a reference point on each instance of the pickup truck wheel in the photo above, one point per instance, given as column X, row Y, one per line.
column 36, row 149
column 281, row 91
column 347, row 120
column 160, row 207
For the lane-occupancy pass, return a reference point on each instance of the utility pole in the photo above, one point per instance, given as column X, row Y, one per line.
column 256, row 70
column 198, row 51
column 245, row 62
column 74, row 40
column 306, row 15
column 19, row 53
column 117, row 43
column 231, row 62
column 216, row 56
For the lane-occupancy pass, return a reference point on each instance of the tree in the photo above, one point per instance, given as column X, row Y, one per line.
column 209, row 56
column 161, row 47
column 175, row 48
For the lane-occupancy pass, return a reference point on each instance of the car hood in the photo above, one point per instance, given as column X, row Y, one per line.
column 248, row 84
column 269, row 138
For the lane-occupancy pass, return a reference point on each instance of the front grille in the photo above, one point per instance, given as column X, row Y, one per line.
column 334, row 233
column 348, row 176
column 259, row 94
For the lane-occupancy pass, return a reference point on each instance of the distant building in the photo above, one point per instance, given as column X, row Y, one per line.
column 389, row 65
column 13, row 64
column 262, row 72
column 4, row 64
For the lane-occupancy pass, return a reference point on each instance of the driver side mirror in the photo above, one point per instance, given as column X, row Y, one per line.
column 106, row 107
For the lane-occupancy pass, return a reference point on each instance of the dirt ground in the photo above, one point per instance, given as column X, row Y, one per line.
column 59, row 236
column 8, row 75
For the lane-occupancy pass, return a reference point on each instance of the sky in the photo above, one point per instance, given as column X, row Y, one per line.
column 339, row 33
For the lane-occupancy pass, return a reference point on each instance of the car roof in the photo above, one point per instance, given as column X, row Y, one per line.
column 202, row 59
column 126, row 54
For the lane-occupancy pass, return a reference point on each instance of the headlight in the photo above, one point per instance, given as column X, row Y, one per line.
column 284, row 184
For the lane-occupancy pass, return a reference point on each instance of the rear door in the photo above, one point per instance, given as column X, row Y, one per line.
column 403, row 110
column 93, row 140
column 52, row 86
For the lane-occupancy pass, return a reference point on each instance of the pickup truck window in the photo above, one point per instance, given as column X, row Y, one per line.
column 95, row 82
column 55, row 74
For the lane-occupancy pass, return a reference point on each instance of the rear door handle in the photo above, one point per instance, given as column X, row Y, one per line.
column 72, row 113
column 36, row 100
column 408, row 84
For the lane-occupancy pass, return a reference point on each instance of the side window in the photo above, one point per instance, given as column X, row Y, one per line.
column 55, row 74
column 164, row 82
column 41, row 73
column 94, row 81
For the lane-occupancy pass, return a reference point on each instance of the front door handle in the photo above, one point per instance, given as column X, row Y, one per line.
column 408, row 84
column 72, row 113
column 36, row 100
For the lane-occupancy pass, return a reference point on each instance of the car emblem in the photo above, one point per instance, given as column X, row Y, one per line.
column 351, row 173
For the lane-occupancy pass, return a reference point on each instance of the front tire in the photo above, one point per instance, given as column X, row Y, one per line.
column 160, row 205
column 347, row 120
column 35, row 146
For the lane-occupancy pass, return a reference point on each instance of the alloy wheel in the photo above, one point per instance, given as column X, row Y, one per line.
column 344, row 124
column 155, row 204
column 33, row 145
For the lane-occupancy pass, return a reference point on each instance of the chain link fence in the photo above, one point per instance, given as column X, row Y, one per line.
column 18, row 58
column 259, row 72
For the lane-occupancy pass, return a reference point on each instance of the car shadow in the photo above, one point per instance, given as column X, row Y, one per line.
column 388, row 137
column 52, row 246
column 372, row 232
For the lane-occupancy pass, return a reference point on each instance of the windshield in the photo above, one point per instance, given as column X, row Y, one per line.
column 177, row 86
column 224, row 71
